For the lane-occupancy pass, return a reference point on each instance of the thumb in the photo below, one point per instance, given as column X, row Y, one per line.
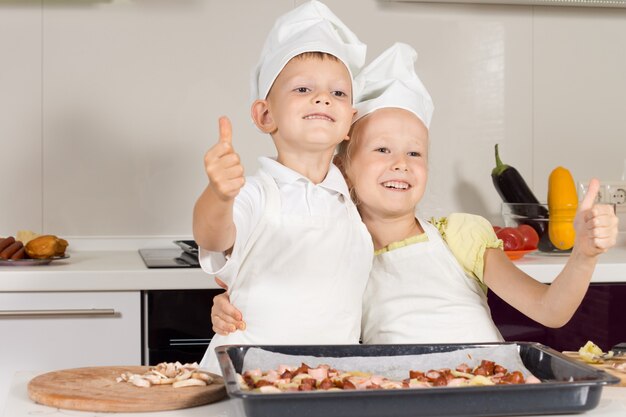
column 590, row 197
column 226, row 130
column 221, row 283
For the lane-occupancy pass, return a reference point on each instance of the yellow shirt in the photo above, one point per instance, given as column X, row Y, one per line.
column 467, row 236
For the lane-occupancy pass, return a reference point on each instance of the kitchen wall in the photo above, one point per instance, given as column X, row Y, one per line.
column 107, row 107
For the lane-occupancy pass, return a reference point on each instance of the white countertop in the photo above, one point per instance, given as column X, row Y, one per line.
column 612, row 404
column 103, row 265
column 19, row 405
column 115, row 265
column 611, row 267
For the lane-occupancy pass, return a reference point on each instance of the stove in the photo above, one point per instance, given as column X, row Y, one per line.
column 185, row 256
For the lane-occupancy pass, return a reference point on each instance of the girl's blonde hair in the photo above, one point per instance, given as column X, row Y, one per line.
column 344, row 152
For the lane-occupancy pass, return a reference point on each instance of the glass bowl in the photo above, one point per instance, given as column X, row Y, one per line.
column 536, row 216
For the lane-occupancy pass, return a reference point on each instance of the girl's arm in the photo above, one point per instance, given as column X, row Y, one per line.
column 554, row 305
column 225, row 317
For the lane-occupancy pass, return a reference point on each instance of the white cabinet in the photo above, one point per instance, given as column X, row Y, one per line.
column 42, row 331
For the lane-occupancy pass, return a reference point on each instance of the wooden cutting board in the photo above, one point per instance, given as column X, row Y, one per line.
column 606, row 366
column 96, row 389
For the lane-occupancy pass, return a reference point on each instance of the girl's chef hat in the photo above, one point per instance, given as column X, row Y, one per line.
column 311, row 27
column 390, row 81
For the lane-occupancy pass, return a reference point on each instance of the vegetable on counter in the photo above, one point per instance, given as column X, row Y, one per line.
column 562, row 205
column 512, row 188
column 522, row 237
column 510, row 184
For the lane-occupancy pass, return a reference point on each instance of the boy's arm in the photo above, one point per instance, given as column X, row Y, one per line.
column 213, row 226
column 554, row 305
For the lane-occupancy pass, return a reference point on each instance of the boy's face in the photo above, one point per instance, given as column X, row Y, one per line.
column 388, row 163
column 311, row 104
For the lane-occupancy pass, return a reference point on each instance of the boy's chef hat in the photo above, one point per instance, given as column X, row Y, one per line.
column 390, row 81
column 312, row 27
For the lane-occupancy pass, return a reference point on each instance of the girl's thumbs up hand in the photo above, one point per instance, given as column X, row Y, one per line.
column 222, row 164
column 595, row 224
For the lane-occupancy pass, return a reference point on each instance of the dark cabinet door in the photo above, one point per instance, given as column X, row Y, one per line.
column 177, row 325
column 600, row 318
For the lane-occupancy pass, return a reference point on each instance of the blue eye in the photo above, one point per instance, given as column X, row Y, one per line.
column 382, row 150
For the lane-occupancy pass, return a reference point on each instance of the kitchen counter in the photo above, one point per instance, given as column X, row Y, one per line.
column 612, row 404
column 103, row 265
column 115, row 265
column 611, row 267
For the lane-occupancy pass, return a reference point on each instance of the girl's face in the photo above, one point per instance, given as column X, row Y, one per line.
column 387, row 165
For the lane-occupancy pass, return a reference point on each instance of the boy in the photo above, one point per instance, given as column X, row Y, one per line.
column 298, row 255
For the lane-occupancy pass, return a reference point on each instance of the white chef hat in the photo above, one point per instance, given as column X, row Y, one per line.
column 390, row 81
column 311, row 27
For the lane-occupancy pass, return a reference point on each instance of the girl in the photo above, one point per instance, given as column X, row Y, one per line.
column 428, row 282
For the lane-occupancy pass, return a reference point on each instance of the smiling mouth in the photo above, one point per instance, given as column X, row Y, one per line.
column 318, row 116
column 396, row 185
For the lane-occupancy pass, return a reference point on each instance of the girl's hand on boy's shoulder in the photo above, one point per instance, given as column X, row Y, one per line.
column 223, row 165
column 595, row 224
column 225, row 317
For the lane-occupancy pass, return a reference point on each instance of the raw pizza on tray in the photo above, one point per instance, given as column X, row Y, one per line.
column 323, row 377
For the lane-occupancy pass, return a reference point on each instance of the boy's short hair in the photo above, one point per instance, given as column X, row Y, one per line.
column 310, row 55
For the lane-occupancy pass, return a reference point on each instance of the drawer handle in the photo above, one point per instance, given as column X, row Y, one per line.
column 93, row 312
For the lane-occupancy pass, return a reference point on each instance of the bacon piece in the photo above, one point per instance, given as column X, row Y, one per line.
column 487, row 367
column 318, row 373
column 416, row 375
column 347, row 384
column 440, row 381
column 326, row 383
column 464, row 368
column 263, row 383
column 432, row 375
column 303, row 369
column 514, row 377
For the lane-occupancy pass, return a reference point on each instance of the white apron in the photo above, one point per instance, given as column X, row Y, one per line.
column 301, row 279
column 420, row 294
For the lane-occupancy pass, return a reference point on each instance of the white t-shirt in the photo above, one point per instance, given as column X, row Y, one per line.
column 300, row 261
column 298, row 196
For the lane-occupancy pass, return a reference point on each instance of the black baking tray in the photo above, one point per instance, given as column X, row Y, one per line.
column 567, row 386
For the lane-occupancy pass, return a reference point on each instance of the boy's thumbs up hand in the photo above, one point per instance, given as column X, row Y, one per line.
column 595, row 224
column 222, row 164
column 226, row 130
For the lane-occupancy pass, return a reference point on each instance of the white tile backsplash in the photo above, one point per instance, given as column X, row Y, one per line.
column 20, row 119
column 107, row 107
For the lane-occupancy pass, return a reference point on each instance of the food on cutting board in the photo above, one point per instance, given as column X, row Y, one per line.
column 169, row 373
column 591, row 353
column 594, row 355
column 323, row 377
column 29, row 245
column 562, row 205
column 47, row 246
